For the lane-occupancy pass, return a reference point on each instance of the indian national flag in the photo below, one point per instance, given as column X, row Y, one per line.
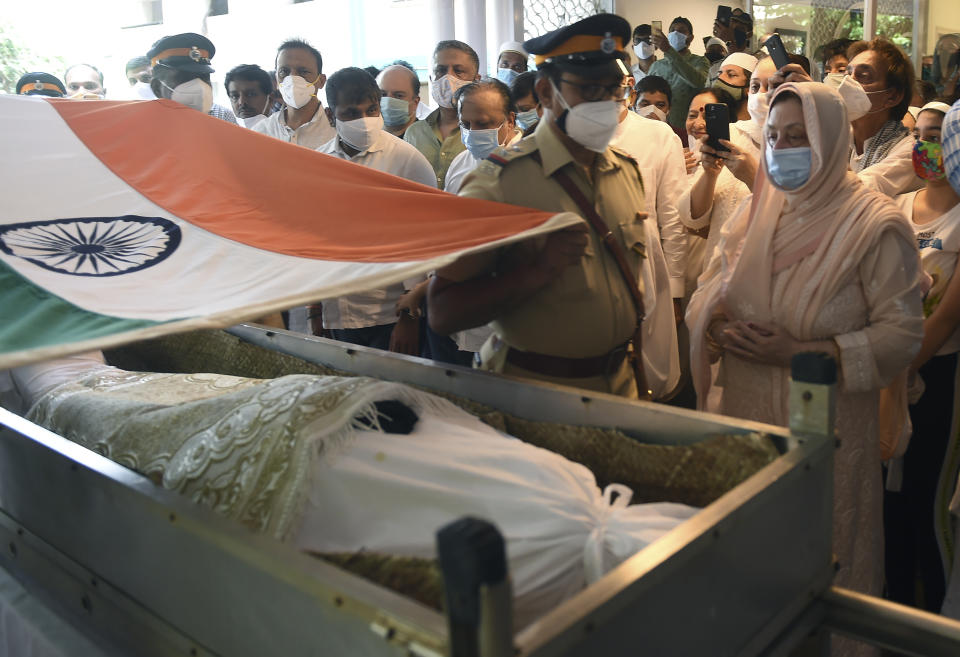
column 126, row 220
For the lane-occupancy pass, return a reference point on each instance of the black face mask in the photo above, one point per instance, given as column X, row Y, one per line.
column 713, row 56
column 738, row 93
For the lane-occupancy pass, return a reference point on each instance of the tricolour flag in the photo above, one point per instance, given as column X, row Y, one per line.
column 121, row 221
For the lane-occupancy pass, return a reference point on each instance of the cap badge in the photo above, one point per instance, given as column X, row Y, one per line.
column 38, row 85
column 608, row 45
column 195, row 54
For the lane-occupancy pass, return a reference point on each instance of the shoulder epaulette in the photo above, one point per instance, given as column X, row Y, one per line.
column 624, row 154
column 500, row 158
column 633, row 161
column 506, row 154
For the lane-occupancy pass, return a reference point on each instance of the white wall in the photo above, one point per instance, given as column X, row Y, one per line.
column 700, row 13
column 943, row 17
column 347, row 32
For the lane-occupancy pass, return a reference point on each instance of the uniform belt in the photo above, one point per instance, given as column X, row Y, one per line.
column 568, row 368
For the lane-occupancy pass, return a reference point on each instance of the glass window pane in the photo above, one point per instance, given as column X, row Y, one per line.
column 806, row 27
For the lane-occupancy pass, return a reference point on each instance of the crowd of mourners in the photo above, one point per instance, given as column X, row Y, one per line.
column 826, row 219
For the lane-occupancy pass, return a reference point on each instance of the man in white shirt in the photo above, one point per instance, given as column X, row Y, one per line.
column 659, row 155
column 511, row 62
column 487, row 121
column 646, row 52
column 883, row 147
column 249, row 89
column 876, row 89
column 370, row 318
column 299, row 79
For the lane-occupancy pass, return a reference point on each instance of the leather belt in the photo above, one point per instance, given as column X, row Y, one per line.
column 569, row 368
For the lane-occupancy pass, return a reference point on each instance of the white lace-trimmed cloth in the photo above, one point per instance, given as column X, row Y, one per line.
column 243, row 447
column 286, row 457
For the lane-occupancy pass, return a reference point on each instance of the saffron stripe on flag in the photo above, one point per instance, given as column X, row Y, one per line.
column 274, row 196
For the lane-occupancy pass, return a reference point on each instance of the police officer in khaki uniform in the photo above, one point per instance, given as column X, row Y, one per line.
column 560, row 307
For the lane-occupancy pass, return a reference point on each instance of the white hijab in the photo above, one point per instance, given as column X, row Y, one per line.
column 779, row 228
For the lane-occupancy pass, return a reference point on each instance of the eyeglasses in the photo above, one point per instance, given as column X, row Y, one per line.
column 593, row 92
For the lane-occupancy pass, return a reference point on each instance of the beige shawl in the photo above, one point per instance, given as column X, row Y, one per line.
column 832, row 218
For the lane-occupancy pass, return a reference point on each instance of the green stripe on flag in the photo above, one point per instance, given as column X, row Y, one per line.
column 31, row 317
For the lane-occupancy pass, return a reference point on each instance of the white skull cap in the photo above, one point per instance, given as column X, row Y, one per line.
column 741, row 59
column 512, row 46
column 935, row 105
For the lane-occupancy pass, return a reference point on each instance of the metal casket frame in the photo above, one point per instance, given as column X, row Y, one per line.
column 139, row 568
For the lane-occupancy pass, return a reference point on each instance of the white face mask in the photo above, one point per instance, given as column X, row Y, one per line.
column 252, row 121
column 854, row 97
column 442, row 89
column 193, row 93
column 143, row 90
column 834, row 79
column 759, row 106
column 644, row 50
column 360, row 133
column 296, row 91
column 652, row 112
column 255, row 119
column 590, row 124
column 678, row 40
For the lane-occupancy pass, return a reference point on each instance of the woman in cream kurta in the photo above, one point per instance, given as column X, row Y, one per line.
column 829, row 266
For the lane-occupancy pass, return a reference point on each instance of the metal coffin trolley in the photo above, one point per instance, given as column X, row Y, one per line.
column 120, row 566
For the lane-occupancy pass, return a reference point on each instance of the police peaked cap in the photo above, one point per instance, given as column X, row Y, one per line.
column 187, row 52
column 590, row 46
column 40, row 84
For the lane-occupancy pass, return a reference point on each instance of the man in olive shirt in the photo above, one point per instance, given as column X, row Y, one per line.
column 560, row 308
column 685, row 72
column 438, row 135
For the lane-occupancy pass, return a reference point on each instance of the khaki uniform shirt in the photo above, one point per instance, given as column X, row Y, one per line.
column 587, row 311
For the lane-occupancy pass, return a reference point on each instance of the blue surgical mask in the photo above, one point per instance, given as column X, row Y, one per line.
column 507, row 75
column 395, row 112
column 481, row 143
column 789, row 168
column 528, row 119
column 678, row 40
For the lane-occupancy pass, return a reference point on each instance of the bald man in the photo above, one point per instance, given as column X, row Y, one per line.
column 400, row 89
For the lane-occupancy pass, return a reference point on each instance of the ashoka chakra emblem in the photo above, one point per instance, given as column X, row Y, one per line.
column 99, row 246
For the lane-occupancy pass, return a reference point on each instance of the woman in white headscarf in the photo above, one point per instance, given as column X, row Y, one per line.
column 814, row 261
